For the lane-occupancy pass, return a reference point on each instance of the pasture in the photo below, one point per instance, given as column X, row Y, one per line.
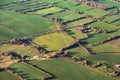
column 40, row 20
column 67, row 4
column 101, row 37
column 61, row 66
column 104, row 48
column 112, row 18
column 103, row 26
column 19, row 49
column 80, row 8
column 110, row 2
column 48, row 10
column 96, row 13
column 7, row 76
column 27, row 72
column 52, row 1
column 116, row 23
column 19, row 25
column 53, row 41
column 77, row 52
column 79, row 22
column 108, row 58
column 76, row 34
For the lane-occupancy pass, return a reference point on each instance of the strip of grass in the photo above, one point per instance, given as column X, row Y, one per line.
column 112, row 18
column 96, row 13
column 51, row 1
column 104, row 48
column 19, row 25
column 80, row 8
column 79, row 22
column 66, row 70
column 48, row 10
column 77, row 52
column 6, row 76
column 76, row 33
column 109, row 2
column 103, row 26
column 19, row 49
column 109, row 58
column 98, row 38
column 70, row 17
column 27, row 71
column 67, row 4
column 116, row 23
column 53, row 41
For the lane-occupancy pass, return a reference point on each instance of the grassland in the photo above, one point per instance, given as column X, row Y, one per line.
column 76, row 34
column 52, row 1
column 104, row 48
column 96, row 13
column 103, row 26
column 36, row 17
column 48, row 10
column 59, row 14
column 67, row 4
column 27, row 71
column 7, row 76
column 77, row 52
column 116, row 23
column 53, row 41
column 101, row 37
column 79, row 22
column 72, row 72
column 65, row 16
column 112, row 18
column 109, row 2
column 80, row 8
column 19, row 25
column 108, row 58
column 115, row 43
column 19, row 49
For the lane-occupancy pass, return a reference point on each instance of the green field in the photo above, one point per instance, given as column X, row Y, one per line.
column 65, row 16
column 53, row 41
column 112, row 18
column 19, row 25
column 59, row 14
column 109, row 2
column 67, row 4
column 104, row 48
column 79, row 22
column 96, row 13
column 51, row 1
column 108, row 58
column 77, row 52
column 70, row 17
column 76, row 34
column 48, row 10
column 19, row 49
column 80, row 8
column 116, row 23
column 98, row 38
column 103, row 26
column 66, row 70
column 7, row 76
column 27, row 71
column 59, row 40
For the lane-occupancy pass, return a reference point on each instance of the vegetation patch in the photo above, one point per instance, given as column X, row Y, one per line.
column 79, row 72
column 53, row 41
column 48, row 10
column 27, row 72
column 103, row 26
